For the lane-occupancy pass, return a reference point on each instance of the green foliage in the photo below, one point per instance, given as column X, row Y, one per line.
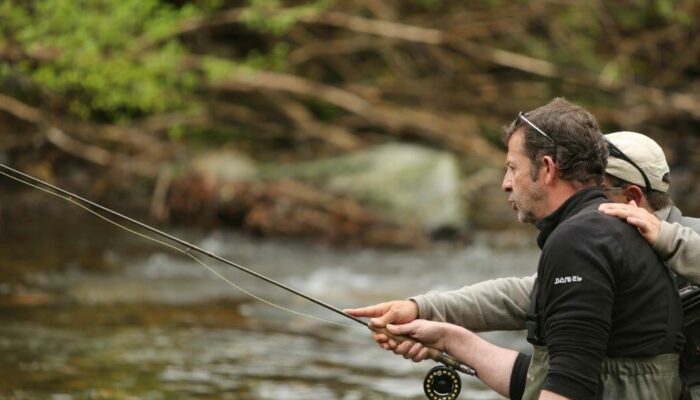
column 117, row 60
column 573, row 35
column 274, row 60
column 429, row 4
column 114, row 59
column 323, row 111
column 211, row 136
column 576, row 36
column 443, row 6
column 4, row 72
column 217, row 68
column 646, row 14
column 268, row 16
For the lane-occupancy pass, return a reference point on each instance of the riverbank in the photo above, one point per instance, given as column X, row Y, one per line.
column 395, row 195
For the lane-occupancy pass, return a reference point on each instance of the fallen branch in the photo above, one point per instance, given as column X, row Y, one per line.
column 94, row 154
column 57, row 137
column 335, row 135
column 457, row 133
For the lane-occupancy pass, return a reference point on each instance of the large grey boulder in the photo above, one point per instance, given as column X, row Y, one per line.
column 410, row 184
column 225, row 166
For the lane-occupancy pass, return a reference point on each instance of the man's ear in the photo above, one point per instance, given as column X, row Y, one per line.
column 550, row 169
column 634, row 192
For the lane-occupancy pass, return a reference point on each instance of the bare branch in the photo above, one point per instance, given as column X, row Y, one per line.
column 20, row 110
column 94, row 154
column 376, row 27
column 457, row 133
column 60, row 139
column 334, row 135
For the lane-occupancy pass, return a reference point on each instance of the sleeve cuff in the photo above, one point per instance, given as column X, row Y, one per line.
column 519, row 376
column 664, row 243
column 423, row 311
column 569, row 388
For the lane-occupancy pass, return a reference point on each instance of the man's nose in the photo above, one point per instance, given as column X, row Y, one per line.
column 507, row 184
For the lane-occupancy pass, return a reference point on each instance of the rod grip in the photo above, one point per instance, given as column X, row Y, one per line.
column 434, row 354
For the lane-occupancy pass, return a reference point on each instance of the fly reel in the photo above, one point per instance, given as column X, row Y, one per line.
column 442, row 383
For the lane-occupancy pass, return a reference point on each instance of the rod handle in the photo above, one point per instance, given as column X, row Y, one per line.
column 434, row 354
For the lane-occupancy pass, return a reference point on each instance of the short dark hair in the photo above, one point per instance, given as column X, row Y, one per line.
column 581, row 153
column 657, row 200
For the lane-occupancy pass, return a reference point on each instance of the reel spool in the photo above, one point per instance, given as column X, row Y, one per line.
column 442, row 383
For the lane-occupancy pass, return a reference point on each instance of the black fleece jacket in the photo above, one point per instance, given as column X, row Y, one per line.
column 601, row 292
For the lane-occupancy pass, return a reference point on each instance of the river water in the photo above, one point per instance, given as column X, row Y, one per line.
column 92, row 312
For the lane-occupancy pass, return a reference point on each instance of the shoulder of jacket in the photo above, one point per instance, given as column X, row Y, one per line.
column 675, row 215
column 692, row 223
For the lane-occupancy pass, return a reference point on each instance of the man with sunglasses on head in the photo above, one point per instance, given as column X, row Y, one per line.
column 605, row 319
column 501, row 304
column 637, row 180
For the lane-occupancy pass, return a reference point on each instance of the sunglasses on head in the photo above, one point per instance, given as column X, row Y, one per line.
column 612, row 149
column 523, row 116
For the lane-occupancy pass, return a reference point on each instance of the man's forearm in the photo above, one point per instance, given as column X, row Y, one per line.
column 492, row 363
column 498, row 304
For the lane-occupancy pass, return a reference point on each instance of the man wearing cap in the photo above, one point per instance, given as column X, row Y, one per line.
column 644, row 180
column 639, row 175
column 575, row 309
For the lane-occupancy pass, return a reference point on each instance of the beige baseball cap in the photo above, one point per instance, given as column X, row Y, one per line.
column 645, row 153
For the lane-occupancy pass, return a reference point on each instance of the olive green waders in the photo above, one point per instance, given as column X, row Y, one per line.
column 694, row 393
column 653, row 378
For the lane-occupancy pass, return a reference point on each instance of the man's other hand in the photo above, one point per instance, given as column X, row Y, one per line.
column 392, row 312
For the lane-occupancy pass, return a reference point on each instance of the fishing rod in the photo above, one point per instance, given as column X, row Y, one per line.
column 441, row 382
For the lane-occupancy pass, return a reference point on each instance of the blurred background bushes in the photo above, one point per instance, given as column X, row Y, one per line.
column 120, row 89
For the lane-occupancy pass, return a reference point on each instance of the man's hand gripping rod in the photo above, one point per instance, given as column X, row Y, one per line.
column 434, row 354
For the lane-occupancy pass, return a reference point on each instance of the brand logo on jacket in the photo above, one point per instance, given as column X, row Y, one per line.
column 567, row 279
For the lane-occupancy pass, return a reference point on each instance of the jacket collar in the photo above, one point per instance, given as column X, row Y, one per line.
column 570, row 207
column 664, row 213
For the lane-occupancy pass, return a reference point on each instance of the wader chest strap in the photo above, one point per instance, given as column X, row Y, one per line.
column 533, row 320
